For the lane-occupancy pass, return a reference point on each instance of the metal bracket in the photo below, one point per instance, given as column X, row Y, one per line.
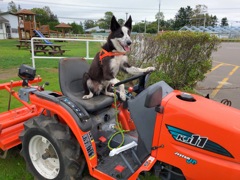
column 24, row 93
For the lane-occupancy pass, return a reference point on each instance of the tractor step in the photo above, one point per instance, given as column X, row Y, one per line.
column 110, row 165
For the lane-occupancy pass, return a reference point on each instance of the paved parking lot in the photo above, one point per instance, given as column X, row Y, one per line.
column 223, row 82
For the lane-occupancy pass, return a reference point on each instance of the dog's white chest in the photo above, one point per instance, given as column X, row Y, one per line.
column 116, row 63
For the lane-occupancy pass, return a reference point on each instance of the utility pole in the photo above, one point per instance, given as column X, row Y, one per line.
column 145, row 26
column 126, row 16
column 159, row 16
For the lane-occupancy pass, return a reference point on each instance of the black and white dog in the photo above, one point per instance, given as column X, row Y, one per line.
column 110, row 60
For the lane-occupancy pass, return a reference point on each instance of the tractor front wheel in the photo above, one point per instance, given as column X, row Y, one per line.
column 50, row 150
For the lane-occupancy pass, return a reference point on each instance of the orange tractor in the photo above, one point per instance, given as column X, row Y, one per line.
column 172, row 134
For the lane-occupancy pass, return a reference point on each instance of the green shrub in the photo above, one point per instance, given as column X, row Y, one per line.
column 181, row 58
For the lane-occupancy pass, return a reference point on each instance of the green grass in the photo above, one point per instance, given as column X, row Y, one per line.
column 14, row 167
column 11, row 58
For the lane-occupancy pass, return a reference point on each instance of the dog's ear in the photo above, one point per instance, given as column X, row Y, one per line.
column 114, row 24
column 128, row 24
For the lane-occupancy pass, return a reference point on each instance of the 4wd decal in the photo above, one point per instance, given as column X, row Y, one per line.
column 188, row 159
column 197, row 141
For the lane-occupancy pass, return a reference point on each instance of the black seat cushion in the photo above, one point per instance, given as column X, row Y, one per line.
column 71, row 72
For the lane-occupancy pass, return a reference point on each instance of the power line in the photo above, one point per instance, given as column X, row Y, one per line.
column 113, row 7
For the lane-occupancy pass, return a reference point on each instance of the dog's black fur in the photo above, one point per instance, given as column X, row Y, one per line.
column 103, row 73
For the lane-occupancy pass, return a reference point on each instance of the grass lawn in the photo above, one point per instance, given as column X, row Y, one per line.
column 13, row 167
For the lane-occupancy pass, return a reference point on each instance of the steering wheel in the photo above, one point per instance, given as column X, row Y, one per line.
column 143, row 78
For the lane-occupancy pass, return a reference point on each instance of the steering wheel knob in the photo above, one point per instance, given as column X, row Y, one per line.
column 130, row 89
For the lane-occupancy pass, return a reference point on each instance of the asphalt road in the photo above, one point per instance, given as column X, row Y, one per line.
column 223, row 82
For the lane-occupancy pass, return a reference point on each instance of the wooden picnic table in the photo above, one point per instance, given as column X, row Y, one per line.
column 51, row 49
column 24, row 43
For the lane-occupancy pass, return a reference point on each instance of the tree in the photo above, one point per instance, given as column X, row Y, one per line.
column 224, row 22
column 152, row 27
column 139, row 27
column 45, row 16
column 183, row 17
column 76, row 29
column 105, row 22
column 121, row 21
column 89, row 24
column 213, row 21
column 200, row 16
column 107, row 17
column 12, row 7
column 159, row 16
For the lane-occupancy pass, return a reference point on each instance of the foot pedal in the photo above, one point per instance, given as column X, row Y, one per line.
column 119, row 168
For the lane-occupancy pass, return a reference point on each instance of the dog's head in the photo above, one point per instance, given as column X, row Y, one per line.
column 120, row 35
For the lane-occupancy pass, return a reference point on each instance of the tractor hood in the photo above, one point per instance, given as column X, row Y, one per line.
column 203, row 125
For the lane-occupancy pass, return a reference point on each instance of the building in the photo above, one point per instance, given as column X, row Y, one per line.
column 8, row 25
column 3, row 28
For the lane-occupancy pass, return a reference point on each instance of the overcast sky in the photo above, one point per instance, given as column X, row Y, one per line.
column 76, row 10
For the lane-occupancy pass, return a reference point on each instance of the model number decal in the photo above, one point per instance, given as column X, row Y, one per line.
column 198, row 141
column 188, row 159
column 194, row 140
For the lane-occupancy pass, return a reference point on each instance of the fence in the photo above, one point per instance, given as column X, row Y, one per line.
column 60, row 39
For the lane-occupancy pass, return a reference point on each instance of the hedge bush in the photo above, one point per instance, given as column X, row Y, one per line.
column 181, row 58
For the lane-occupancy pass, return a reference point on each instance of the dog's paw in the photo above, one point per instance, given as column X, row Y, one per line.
column 87, row 96
column 122, row 96
column 110, row 94
column 150, row 69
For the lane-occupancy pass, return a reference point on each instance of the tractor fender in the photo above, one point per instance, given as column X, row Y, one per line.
column 67, row 111
column 79, row 114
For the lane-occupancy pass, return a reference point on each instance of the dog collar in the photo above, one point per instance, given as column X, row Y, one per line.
column 103, row 53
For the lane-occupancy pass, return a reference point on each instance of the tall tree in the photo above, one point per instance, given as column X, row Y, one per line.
column 200, row 16
column 76, row 28
column 183, row 17
column 107, row 17
column 121, row 21
column 159, row 16
column 89, row 24
column 45, row 16
column 224, row 22
column 105, row 22
column 212, row 21
column 12, row 7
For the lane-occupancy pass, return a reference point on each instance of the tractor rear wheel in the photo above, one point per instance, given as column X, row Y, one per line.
column 50, row 150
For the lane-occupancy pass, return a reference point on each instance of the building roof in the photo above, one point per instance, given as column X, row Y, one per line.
column 63, row 25
column 3, row 20
column 7, row 12
column 97, row 29
column 25, row 11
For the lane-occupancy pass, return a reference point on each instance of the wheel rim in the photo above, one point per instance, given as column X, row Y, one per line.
column 44, row 157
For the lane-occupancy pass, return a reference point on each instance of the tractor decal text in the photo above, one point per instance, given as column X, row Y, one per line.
column 194, row 140
column 88, row 145
column 198, row 141
column 188, row 159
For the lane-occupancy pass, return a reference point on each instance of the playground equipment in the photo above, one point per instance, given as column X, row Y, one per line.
column 174, row 135
column 28, row 27
column 42, row 36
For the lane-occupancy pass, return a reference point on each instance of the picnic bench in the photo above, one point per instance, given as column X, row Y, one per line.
column 51, row 49
column 24, row 43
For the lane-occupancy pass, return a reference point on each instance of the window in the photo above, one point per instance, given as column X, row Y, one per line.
column 14, row 30
column 1, row 26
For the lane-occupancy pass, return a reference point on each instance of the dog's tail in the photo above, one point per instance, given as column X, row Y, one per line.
column 84, row 81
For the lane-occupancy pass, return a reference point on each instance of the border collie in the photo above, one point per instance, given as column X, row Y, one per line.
column 109, row 61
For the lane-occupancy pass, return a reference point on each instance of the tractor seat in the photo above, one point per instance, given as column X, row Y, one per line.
column 71, row 72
